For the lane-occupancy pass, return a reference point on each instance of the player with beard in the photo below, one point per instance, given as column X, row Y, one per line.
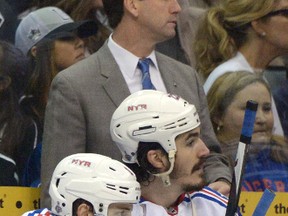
column 159, row 137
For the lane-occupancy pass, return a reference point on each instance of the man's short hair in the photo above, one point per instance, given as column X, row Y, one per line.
column 114, row 10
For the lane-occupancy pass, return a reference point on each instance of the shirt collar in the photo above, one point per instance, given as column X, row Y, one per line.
column 126, row 59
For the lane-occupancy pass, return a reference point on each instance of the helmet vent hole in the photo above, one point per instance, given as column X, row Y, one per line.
column 170, row 126
column 124, row 192
column 125, row 188
column 181, row 119
column 155, row 117
column 118, row 125
column 64, row 173
column 145, row 127
column 57, row 182
column 181, row 125
column 112, row 168
column 110, row 186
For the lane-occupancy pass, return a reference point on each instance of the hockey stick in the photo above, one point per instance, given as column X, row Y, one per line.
column 264, row 203
column 241, row 156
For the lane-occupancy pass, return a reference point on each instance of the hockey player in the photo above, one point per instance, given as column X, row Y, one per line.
column 87, row 184
column 159, row 137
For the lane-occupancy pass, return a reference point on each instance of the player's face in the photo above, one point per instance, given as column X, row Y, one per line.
column 120, row 209
column 233, row 118
column 189, row 163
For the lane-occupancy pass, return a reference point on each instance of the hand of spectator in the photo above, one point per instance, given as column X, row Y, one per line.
column 222, row 186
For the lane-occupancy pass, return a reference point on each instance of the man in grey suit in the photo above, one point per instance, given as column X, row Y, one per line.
column 83, row 97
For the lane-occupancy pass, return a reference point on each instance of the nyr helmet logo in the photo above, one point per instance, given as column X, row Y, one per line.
column 137, row 107
column 81, row 162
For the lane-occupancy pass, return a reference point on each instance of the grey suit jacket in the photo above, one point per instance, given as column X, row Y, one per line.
column 83, row 98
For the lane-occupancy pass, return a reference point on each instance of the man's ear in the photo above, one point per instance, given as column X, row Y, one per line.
column 131, row 6
column 83, row 210
column 158, row 159
column 5, row 82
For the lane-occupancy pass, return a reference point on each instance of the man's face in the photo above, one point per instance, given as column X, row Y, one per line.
column 120, row 209
column 158, row 18
column 189, row 163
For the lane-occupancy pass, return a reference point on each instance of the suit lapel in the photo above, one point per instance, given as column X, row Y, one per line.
column 115, row 84
column 168, row 75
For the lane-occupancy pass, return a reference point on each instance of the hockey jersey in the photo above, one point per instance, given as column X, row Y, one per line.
column 204, row 202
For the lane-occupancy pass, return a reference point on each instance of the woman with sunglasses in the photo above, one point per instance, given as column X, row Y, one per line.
column 242, row 35
column 53, row 42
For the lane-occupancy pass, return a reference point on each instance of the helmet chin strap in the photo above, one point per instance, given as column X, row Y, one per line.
column 165, row 175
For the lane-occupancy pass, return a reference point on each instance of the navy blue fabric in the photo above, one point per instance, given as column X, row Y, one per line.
column 31, row 176
column 280, row 96
column 143, row 64
column 263, row 172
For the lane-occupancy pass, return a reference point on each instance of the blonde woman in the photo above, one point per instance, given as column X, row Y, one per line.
column 242, row 35
column 267, row 164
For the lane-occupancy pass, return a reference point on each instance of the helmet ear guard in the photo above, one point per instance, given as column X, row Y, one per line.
column 151, row 116
column 95, row 178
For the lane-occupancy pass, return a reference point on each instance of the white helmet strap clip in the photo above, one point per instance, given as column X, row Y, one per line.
column 165, row 175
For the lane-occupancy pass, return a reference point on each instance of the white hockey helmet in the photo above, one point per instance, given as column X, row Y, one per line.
column 95, row 178
column 151, row 116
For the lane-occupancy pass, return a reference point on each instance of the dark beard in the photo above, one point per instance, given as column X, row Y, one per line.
column 195, row 187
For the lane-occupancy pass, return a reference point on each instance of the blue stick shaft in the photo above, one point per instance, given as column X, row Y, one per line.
column 240, row 161
column 264, row 203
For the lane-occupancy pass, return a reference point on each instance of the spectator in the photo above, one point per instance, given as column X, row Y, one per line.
column 8, row 22
column 85, row 95
column 52, row 44
column 158, row 135
column 267, row 165
column 17, row 134
column 114, row 187
column 83, row 10
column 241, row 35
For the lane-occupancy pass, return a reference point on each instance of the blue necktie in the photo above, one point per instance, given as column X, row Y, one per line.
column 143, row 64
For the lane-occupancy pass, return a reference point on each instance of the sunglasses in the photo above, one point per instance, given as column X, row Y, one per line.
column 282, row 12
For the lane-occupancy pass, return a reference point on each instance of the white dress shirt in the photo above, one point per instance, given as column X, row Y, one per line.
column 127, row 63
